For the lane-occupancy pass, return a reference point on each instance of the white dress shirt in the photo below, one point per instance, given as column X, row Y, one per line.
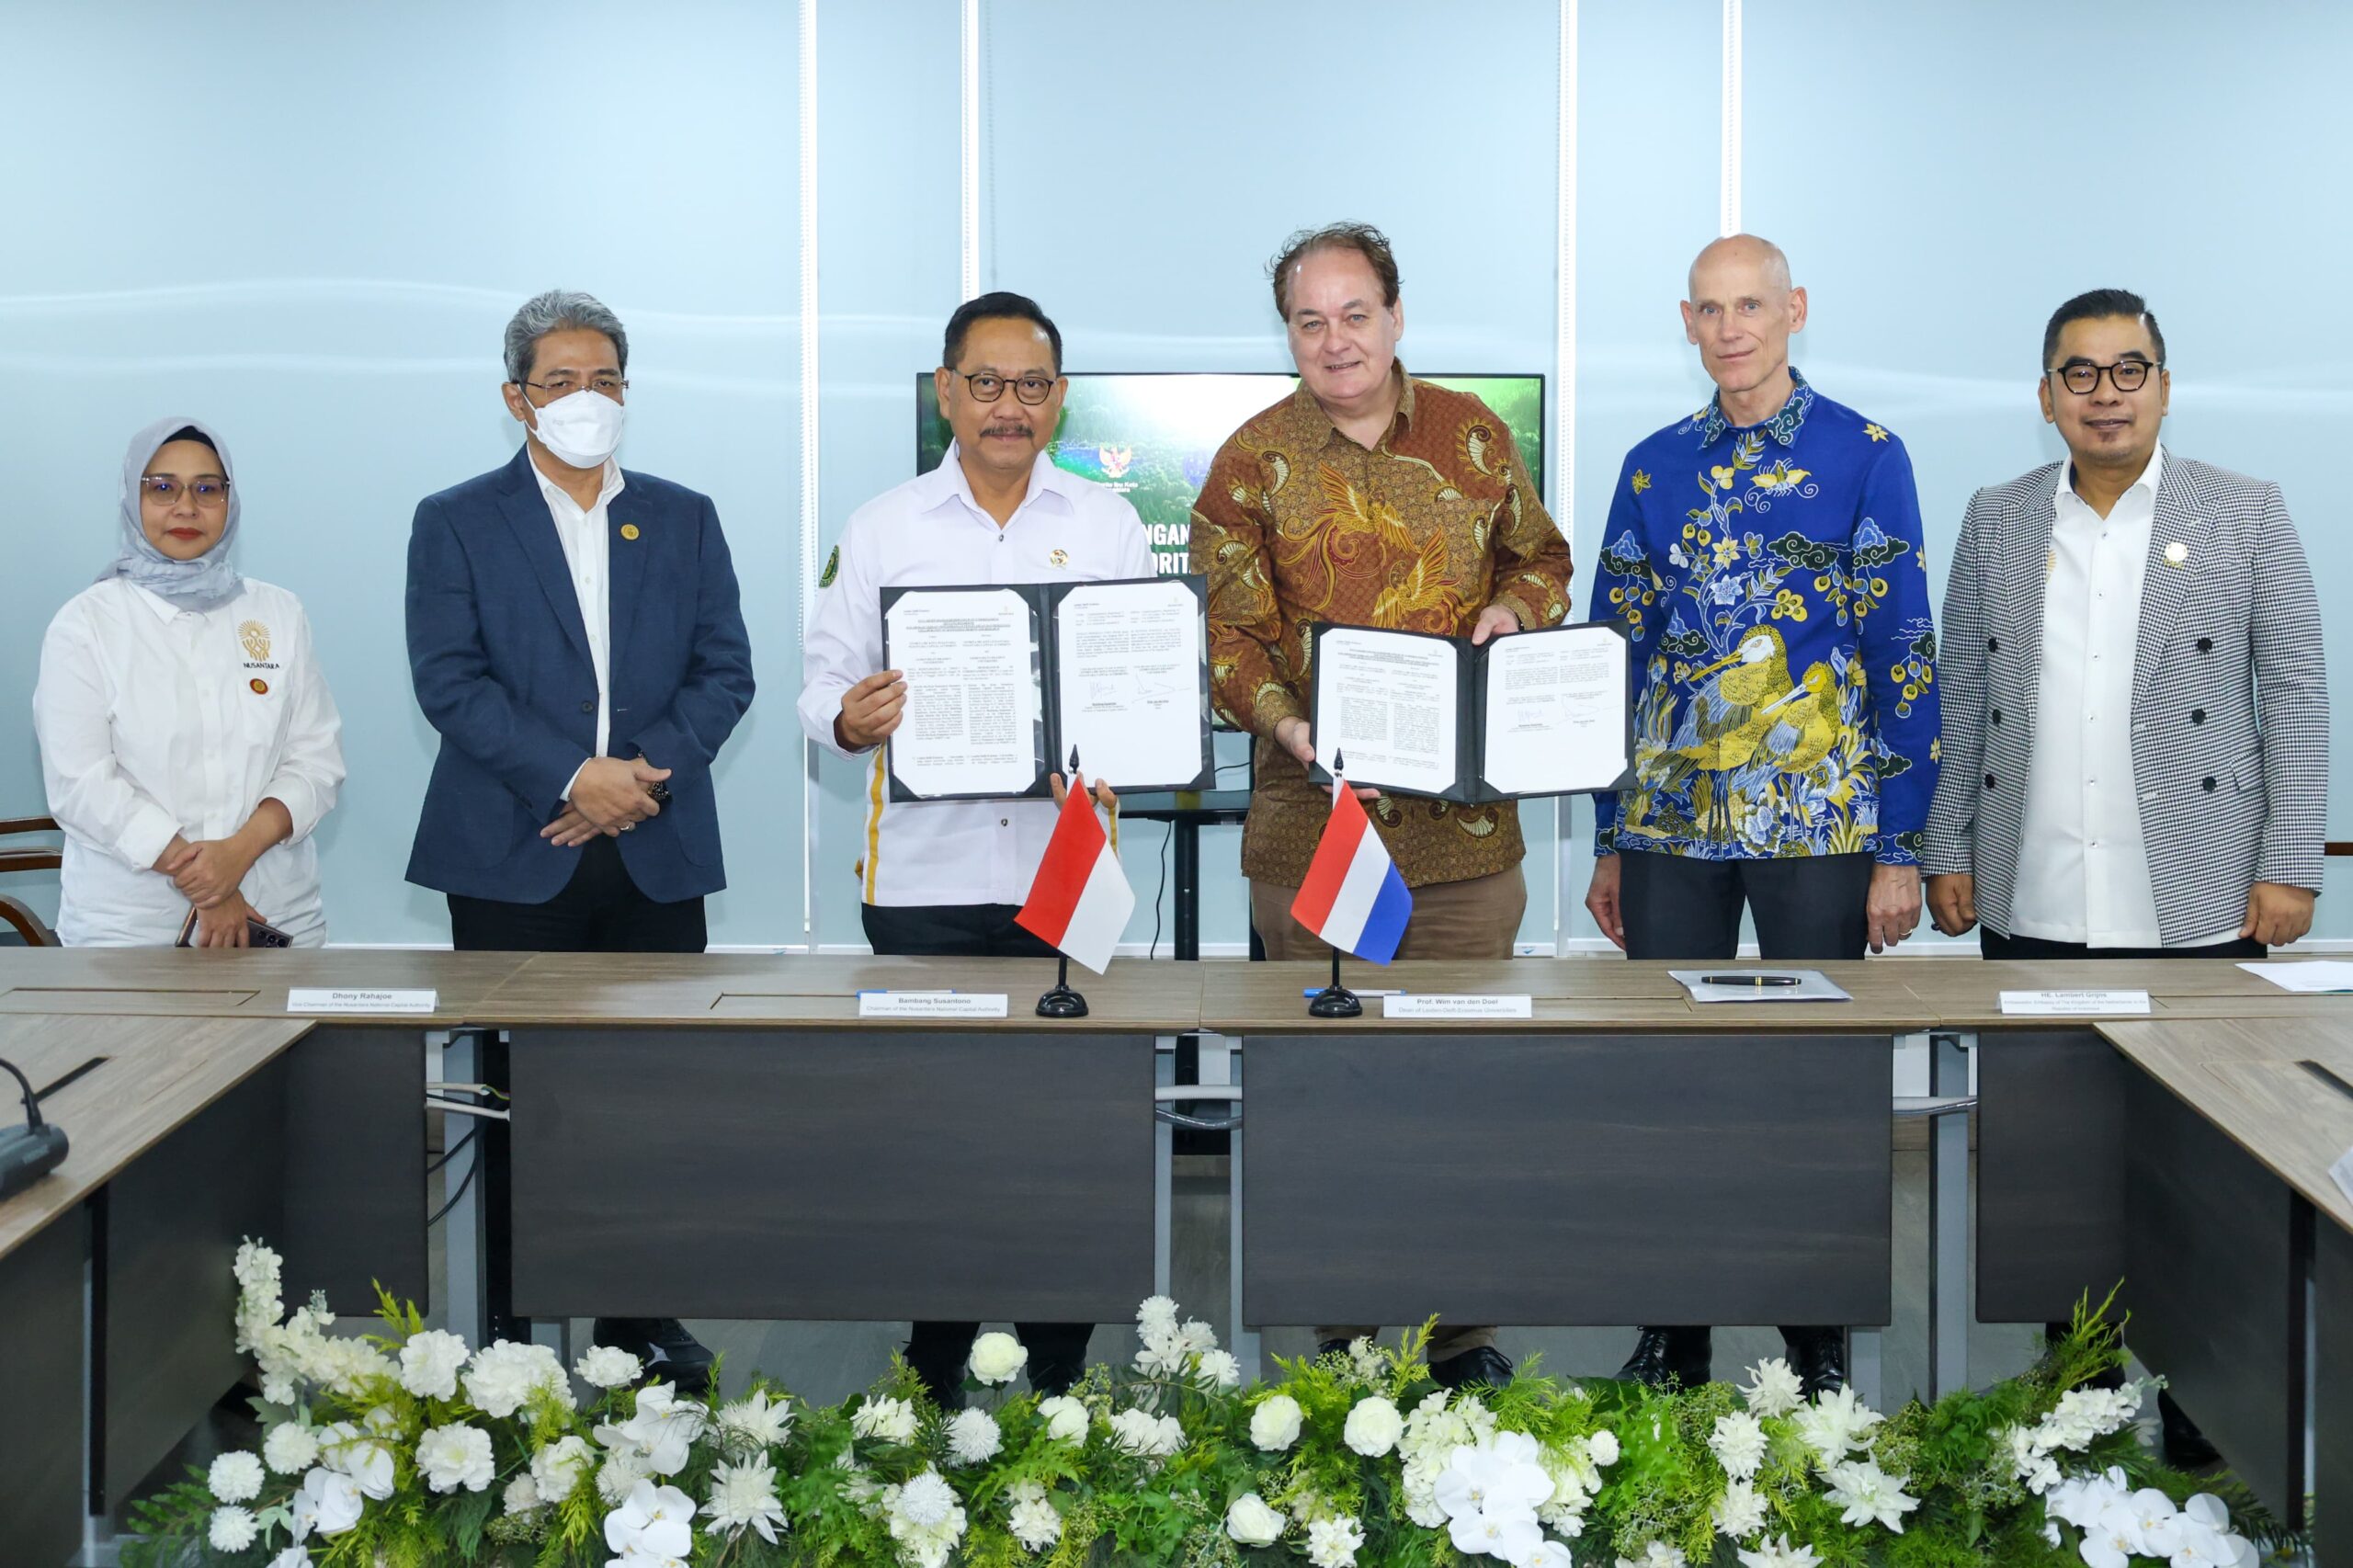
column 154, row 722
column 586, row 538
column 2083, row 871
column 930, row 533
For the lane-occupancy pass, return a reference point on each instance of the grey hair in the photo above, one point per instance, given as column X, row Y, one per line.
column 559, row 310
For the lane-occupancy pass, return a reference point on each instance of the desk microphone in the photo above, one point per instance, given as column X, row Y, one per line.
column 31, row 1152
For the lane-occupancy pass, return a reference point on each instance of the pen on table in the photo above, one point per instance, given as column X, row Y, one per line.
column 1748, row 980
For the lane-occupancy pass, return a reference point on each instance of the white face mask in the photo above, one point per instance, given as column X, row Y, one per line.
column 584, row 428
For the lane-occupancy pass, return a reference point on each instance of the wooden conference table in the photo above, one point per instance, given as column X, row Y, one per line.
column 721, row 1136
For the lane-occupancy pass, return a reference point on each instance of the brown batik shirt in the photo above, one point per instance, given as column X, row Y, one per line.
column 1298, row 524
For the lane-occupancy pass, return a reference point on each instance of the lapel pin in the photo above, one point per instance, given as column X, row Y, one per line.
column 628, row 530
column 2177, row 552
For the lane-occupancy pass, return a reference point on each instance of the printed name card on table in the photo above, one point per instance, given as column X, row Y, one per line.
column 931, row 1005
column 324, row 1000
column 1455, row 1007
column 2075, row 1004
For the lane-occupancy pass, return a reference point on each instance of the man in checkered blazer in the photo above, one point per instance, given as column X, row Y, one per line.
column 2112, row 625
column 2135, row 699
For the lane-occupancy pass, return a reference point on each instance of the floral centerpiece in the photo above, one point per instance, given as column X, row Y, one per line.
column 408, row 1448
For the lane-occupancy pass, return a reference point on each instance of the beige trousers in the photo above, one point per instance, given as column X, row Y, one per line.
column 1473, row 919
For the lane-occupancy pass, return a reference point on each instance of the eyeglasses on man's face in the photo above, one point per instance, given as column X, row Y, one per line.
column 2082, row 377
column 563, row 385
column 988, row 388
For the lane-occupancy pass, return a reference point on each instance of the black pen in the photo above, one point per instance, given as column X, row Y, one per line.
column 1748, row 980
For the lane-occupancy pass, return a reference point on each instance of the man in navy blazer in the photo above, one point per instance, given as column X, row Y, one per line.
column 574, row 635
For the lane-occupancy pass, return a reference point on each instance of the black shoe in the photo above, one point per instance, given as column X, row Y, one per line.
column 1666, row 1357
column 944, row 1385
column 671, row 1355
column 1818, row 1356
column 1333, row 1347
column 1049, row 1377
column 2186, row 1446
column 1485, row 1366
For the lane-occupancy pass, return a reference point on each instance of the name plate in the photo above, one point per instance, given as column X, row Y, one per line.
column 931, row 1005
column 315, row 1000
column 2078, row 1004
column 1455, row 1007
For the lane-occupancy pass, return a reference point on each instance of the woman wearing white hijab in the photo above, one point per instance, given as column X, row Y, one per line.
column 188, row 738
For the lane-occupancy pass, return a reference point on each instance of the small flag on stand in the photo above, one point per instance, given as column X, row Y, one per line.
column 1080, row 901
column 1353, row 897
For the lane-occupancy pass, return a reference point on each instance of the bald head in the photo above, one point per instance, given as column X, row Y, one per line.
column 1744, row 253
column 1739, row 316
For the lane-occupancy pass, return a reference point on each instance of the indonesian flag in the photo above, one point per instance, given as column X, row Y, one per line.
column 1353, row 897
column 1081, row 901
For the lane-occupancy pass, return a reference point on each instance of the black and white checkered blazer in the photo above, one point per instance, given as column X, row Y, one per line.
column 2230, row 796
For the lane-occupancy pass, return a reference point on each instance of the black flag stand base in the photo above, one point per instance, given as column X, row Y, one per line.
column 1335, row 1001
column 1061, row 1002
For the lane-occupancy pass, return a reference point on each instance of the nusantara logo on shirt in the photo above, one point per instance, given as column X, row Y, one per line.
column 256, row 636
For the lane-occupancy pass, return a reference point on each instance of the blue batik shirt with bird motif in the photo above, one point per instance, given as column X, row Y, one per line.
column 1784, row 658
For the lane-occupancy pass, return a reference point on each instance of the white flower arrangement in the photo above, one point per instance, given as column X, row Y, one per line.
column 1374, row 1425
column 973, row 1437
column 997, row 1358
column 1251, row 1522
column 417, row 1444
column 1274, row 1424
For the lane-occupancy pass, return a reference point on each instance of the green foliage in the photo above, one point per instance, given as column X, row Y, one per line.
column 1665, row 1484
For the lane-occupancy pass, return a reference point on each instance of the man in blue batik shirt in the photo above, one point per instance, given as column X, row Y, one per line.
column 1766, row 553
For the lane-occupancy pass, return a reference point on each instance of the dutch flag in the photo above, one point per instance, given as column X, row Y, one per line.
column 1353, row 897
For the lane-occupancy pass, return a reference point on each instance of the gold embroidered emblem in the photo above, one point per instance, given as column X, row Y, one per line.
column 256, row 636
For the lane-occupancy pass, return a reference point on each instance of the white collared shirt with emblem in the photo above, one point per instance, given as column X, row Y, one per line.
column 2083, row 871
column 586, row 538
column 155, row 721
column 930, row 533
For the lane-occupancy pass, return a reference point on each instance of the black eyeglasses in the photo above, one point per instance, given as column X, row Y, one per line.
column 564, row 386
column 986, row 388
column 207, row 491
column 2082, row 378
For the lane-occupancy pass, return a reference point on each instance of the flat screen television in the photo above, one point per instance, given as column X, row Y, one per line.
column 1151, row 434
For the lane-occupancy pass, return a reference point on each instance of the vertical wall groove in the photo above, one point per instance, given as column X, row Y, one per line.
column 811, row 520
column 1728, row 220
column 1564, row 442
column 969, row 163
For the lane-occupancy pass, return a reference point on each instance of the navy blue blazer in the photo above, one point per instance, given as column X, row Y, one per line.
column 499, row 655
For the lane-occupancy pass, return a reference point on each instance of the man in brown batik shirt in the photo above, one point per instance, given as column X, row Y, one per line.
column 1369, row 498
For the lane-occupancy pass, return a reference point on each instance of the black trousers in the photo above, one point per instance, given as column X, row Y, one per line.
column 938, row 1350
column 1807, row 910
column 598, row 911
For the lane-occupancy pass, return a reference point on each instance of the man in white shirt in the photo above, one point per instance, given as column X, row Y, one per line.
column 2135, row 697
column 947, row 876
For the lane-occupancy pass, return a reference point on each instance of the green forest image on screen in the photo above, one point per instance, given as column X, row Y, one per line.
column 1151, row 436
